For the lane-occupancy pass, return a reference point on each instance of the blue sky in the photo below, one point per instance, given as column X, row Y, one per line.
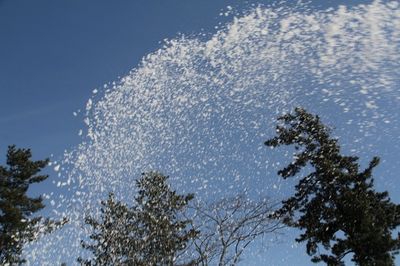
column 54, row 53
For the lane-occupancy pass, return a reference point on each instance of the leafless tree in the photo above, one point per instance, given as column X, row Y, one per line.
column 227, row 227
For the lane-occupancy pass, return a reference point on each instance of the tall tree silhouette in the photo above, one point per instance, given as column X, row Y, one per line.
column 165, row 230
column 335, row 205
column 153, row 231
column 17, row 224
column 110, row 234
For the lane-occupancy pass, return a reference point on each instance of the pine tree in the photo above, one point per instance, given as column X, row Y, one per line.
column 110, row 243
column 335, row 205
column 151, row 232
column 162, row 226
column 17, row 226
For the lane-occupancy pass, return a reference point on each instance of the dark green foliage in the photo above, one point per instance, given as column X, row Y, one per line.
column 161, row 224
column 335, row 205
column 151, row 232
column 110, row 235
column 17, row 226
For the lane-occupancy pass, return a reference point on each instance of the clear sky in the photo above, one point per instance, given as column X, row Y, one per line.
column 53, row 53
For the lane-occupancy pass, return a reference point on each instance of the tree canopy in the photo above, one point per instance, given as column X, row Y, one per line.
column 110, row 243
column 17, row 224
column 335, row 204
column 151, row 232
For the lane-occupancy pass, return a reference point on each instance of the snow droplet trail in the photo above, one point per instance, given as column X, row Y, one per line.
column 199, row 110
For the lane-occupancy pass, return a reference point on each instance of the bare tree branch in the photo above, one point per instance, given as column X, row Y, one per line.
column 229, row 226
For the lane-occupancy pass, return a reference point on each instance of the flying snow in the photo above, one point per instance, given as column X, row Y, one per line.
column 200, row 109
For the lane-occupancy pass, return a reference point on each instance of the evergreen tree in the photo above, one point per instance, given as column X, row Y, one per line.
column 335, row 205
column 110, row 243
column 151, row 232
column 162, row 227
column 17, row 226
